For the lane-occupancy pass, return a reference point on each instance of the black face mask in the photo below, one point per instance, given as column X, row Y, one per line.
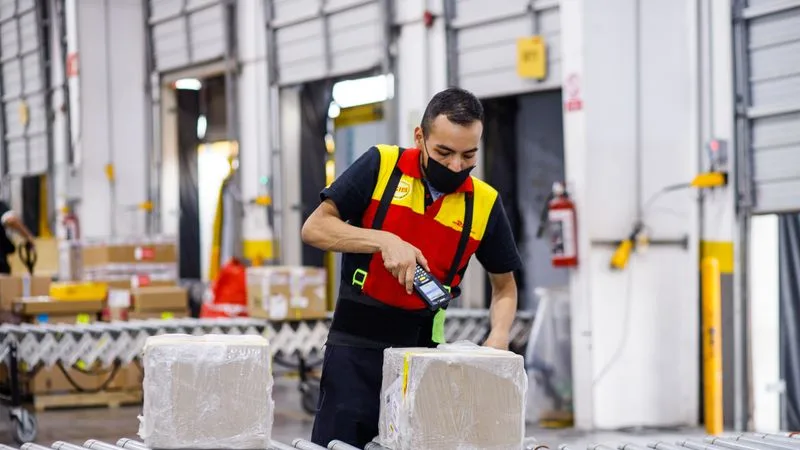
column 443, row 179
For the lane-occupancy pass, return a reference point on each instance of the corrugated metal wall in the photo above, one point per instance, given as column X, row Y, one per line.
column 188, row 32
column 319, row 39
column 768, row 72
column 483, row 44
column 25, row 80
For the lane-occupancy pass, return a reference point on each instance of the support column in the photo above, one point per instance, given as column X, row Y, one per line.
column 255, row 130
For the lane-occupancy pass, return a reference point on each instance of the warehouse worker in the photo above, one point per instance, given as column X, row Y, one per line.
column 10, row 220
column 388, row 212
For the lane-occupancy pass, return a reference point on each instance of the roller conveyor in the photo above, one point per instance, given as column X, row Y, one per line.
column 754, row 443
column 294, row 344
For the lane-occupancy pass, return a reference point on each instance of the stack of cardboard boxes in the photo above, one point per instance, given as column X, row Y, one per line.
column 287, row 293
column 141, row 275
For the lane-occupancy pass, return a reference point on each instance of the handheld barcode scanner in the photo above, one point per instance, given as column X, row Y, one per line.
column 435, row 295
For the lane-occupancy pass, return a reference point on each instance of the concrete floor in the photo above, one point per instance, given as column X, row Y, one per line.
column 109, row 425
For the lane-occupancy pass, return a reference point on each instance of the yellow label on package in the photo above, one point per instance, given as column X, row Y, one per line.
column 167, row 315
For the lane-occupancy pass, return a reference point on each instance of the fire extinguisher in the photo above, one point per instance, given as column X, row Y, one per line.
column 72, row 226
column 558, row 216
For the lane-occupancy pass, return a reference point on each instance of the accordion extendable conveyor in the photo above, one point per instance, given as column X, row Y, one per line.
column 297, row 345
column 734, row 441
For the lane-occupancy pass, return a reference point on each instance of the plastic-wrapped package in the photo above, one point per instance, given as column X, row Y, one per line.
column 453, row 397
column 207, row 392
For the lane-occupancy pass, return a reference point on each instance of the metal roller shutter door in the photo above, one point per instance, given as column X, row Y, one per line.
column 320, row 39
column 188, row 32
column 768, row 76
column 483, row 44
column 23, row 63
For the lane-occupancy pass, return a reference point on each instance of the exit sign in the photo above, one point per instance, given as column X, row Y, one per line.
column 532, row 57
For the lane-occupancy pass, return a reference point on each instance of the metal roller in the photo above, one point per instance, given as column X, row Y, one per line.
column 303, row 444
column 275, row 445
column 630, row 447
column 728, row 443
column 94, row 444
column 339, row 445
column 783, row 439
column 32, row 446
column 695, row 445
column 131, row 444
column 663, row 446
column 765, row 443
column 61, row 445
column 6, row 447
column 598, row 447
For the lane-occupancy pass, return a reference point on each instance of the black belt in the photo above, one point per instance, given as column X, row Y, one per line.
column 368, row 320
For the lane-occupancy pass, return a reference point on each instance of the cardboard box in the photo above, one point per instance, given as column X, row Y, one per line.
column 163, row 315
column 53, row 381
column 212, row 391
column 281, row 292
column 12, row 287
column 158, row 299
column 452, row 399
column 47, row 259
column 45, row 306
column 103, row 254
column 137, row 282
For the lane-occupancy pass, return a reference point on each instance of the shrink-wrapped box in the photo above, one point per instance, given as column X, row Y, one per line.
column 453, row 397
column 207, row 392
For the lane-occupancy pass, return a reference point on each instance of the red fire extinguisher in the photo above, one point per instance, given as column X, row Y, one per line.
column 558, row 216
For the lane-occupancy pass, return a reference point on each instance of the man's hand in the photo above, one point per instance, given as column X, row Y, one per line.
column 497, row 340
column 400, row 258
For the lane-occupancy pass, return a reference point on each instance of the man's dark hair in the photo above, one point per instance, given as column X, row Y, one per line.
column 458, row 105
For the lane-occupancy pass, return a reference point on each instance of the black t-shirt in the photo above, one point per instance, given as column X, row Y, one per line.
column 6, row 246
column 352, row 193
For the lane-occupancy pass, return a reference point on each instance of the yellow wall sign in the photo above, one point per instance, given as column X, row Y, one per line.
column 357, row 115
column 532, row 57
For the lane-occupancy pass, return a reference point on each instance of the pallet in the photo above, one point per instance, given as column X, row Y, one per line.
column 109, row 399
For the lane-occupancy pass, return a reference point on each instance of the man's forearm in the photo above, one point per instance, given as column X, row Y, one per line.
column 503, row 310
column 329, row 233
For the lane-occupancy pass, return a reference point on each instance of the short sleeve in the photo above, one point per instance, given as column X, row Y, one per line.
column 352, row 191
column 5, row 212
column 497, row 251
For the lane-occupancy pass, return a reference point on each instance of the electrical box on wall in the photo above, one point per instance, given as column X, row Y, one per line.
column 717, row 150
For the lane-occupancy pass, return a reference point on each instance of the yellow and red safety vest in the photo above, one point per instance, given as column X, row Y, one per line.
column 448, row 232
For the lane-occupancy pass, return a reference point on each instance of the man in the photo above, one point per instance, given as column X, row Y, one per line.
column 10, row 220
column 391, row 210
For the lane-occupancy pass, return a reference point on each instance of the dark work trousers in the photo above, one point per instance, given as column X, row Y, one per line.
column 349, row 398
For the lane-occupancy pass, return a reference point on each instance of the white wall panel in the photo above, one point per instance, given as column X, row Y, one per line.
column 187, row 32
column 635, row 347
column 24, row 87
column 316, row 39
column 770, row 65
column 485, row 44
column 112, row 111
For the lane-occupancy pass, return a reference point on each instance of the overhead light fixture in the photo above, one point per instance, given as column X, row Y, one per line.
column 363, row 91
column 334, row 110
column 189, row 84
column 202, row 127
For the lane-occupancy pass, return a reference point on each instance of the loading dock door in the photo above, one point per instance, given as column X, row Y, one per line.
column 23, row 90
column 482, row 44
column 187, row 32
column 768, row 84
column 324, row 39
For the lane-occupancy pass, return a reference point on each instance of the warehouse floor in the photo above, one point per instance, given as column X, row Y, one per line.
column 77, row 426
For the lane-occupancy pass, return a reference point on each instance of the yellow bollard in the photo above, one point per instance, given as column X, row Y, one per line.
column 712, row 345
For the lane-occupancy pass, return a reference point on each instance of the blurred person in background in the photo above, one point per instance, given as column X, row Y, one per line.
column 390, row 211
column 11, row 221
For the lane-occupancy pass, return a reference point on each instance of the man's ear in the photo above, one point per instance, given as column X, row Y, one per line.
column 418, row 139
